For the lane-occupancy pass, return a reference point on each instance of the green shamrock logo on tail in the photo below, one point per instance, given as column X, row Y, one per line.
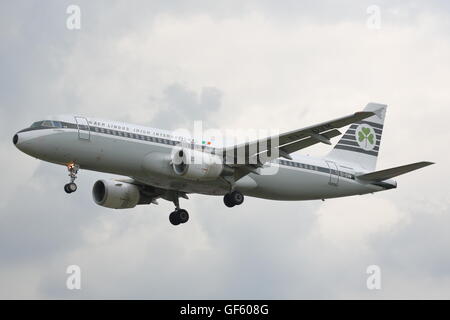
column 365, row 135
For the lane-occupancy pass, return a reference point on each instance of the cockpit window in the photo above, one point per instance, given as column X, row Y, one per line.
column 47, row 123
column 36, row 124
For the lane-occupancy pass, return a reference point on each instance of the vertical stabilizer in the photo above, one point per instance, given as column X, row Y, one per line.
column 361, row 142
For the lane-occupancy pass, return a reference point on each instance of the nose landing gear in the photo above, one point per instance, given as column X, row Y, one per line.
column 73, row 170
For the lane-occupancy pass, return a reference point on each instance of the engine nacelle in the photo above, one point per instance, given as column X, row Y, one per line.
column 115, row 194
column 195, row 165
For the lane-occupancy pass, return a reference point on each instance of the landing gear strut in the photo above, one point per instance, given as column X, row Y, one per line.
column 179, row 216
column 234, row 198
column 73, row 170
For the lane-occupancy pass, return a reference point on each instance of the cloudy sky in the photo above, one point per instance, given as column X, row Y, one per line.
column 232, row 64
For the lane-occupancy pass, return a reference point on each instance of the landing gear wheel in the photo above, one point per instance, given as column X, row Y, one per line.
column 183, row 216
column 179, row 216
column 73, row 170
column 70, row 187
column 66, row 189
column 237, row 197
column 227, row 200
column 174, row 218
column 232, row 199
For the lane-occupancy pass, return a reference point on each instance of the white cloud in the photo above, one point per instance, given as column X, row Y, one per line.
column 350, row 223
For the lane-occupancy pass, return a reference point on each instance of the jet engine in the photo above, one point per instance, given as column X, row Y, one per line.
column 196, row 165
column 115, row 194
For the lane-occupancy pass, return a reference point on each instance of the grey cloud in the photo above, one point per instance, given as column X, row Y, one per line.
column 31, row 60
column 36, row 226
column 238, row 261
column 182, row 106
column 419, row 245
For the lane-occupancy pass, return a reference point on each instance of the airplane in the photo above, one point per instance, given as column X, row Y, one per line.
column 159, row 164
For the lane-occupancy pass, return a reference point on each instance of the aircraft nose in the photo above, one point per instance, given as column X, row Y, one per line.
column 15, row 139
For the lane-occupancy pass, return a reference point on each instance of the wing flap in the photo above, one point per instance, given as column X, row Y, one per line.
column 304, row 143
column 393, row 172
column 285, row 150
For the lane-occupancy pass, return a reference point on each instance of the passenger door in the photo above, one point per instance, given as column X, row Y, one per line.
column 334, row 173
column 84, row 131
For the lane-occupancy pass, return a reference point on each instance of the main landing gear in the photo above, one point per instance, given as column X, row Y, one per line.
column 179, row 216
column 233, row 198
column 73, row 170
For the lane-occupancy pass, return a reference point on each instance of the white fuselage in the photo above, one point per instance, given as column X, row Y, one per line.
column 144, row 154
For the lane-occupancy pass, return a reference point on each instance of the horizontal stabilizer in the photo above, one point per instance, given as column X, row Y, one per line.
column 393, row 172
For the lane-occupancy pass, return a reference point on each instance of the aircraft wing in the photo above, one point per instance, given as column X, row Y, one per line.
column 258, row 152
